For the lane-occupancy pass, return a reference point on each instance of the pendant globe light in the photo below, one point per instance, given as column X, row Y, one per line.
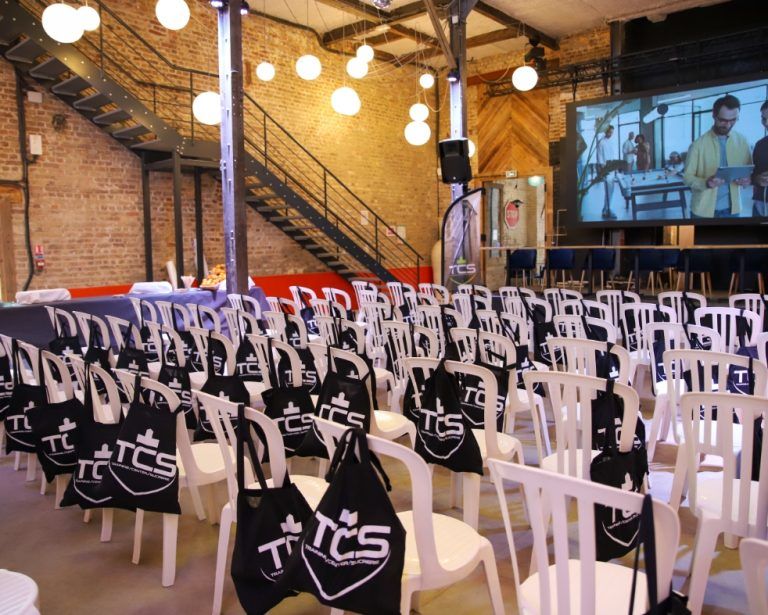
column 207, row 108
column 265, row 71
column 89, row 18
column 172, row 14
column 471, row 147
column 426, row 81
column 357, row 68
column 62, row 23
column 417, row 133
column 525, row 78
column 345, row 101
column 365, row 52
column 419, row 112
column 308, row 67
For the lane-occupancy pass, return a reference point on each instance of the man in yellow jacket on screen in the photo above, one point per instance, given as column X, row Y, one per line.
column 721, row 146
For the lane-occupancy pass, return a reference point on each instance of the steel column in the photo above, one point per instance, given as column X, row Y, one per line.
column 178, row 217
column 457, row 90
column 145, row 192
column 199, row 224
column 232, row 146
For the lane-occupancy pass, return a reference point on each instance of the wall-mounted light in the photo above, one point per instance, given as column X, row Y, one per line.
column 453, row 75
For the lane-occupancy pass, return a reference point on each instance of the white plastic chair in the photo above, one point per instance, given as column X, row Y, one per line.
column 246, row 303
column 577, row 307
column 753, row 302
column 727, row 502
column 327, row 326
column 580, row 357
column 724, row 320
column 397, row 291
column 365, row 292
column 437, row 291
column 299, row 292
column 140, row 306
column 639, row 348
column 491, row 443
column 614, row 299
column 18, row 594
column 240, row 322
column 576, row 583
column 573, row 395
column 324, row 307
column 439, row 550
column 85, row 321
column 754, row 562
column 221, row 412
column 120, row 328
column 674, row 299
column 571, row 325
column 477, row 290
column 339, row 296
column 174, row 315
column 62, row 320
column 202, row 314
column 556, row 296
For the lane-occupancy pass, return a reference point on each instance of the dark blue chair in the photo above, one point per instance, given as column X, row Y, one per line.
column 754, row 262
column 670, row 259
column 561, row 261
column 520, row 262
column 651, row 262
column 699, row 261
column 603, row 260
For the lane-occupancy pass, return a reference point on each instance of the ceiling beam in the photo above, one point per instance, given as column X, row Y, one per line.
column 352, row 30
column 354, row 7
column 385, row 37
column 475, row 41
column 510, row 22
column 373, row 18
column 445, row 46
column 415, row 35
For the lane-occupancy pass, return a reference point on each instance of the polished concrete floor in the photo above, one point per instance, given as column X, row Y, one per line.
column 77, row 574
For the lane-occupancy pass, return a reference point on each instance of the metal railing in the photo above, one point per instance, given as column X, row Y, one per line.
column 168, row 90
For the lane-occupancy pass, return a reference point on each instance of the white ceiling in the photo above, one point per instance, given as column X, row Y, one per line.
column 556, row 18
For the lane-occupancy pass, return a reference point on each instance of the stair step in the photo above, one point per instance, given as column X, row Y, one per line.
column 285, row 218
column 254, row 186
column 25, row 51
column 298, row 229
column 70, row 87
column 9, row 29
column 257, row 198
column 50, row 69
column 112, row 117
column 154, row 145
column 130, row 132
column 94, row 102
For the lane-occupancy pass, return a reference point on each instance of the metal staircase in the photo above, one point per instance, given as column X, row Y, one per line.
column 125, row 86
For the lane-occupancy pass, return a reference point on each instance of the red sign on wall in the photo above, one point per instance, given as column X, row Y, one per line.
column 512, row 213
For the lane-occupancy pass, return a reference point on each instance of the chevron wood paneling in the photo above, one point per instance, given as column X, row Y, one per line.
column 513, row 133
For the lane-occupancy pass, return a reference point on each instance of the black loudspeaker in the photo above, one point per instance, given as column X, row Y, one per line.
column 454, row 161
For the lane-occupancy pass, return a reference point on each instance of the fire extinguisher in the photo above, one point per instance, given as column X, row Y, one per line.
column 39, row 258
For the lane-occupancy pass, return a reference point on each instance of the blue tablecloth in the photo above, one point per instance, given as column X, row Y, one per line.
column 31, row 323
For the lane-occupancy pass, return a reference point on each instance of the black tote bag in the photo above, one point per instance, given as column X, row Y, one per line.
column 308, row 315
column 65, row 342
column 343, row 399
column 142, row 471
column 444, row 436
column 352, row 552
column 55, row 428
column 6, row 385
column 230, row 388
column 150, row 348
column 25, row 397
column 615, row 532
column 289, row 406
column 246, row 360
column 97, row 351
column 130, row 358
column 176, row 378
column 309, row 376
column 542, row 329
column 95, row 446
column 472, row 391
column 270, row 521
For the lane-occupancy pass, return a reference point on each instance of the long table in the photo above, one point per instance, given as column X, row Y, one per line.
column 741, row 250
column 31, row 323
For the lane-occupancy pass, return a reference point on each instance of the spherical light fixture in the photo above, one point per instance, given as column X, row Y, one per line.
column 357, row 68
column 419, row 112
column 426, row 81
column 62, row 23
column 265, row 71
column 535, row 180
column 345, row 101
column 365, row 52
column 89, row 18
column 471, row 146
column 207, row 108
column 525, row 78
column 173, row 14
column 308, row 67
column 417, row 133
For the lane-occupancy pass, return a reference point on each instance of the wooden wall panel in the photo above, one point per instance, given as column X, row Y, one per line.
column 513, row 133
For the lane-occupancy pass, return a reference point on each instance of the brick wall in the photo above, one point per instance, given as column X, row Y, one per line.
column 86, row 205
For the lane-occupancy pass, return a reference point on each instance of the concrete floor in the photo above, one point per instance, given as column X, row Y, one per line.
column 77, row 574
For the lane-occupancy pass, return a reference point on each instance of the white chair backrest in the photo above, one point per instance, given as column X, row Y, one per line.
column 174, row 315
column 726, row 321
column 466, row 342
column 324, row 307
column 425, row 299
column 431, row 318
column 52, row 363
column 634, row 318
column 201, row 337
column 239, row 322
column 338, row 295
column 245, row 303
column 86, row 321
column 166, row 338
column 204, row 317
column 466, row 304
column 570, row 325
column 614, row 299
column 517, row 327
column 302, row 295
column 261, row 345
column 28, row 363
column 144, row 309
column 275, row 322
column 396, row 292
column 108, row 405
column 595, row 309
column 761, row 341
column 516, row 291
column 476, row 289
column 432, row 344
column 573, row 429
column 331, row 328
column 754, row 562
column 421, row 494
column 374, row 314
column 676, row 300
column 274, row 304
column 540, row 305
column 61, row 320
column 741, row 497
column 573, row 572
column 300, row 326
column 672, row 335
column 437, row 291
column 556, row 296
column 400, row 344
column 489, row 321
column 365, row 292
column 754, row 302
column 120, row 328
column 580, row 357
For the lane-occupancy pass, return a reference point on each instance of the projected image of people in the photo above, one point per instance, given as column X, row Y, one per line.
column 685, row 156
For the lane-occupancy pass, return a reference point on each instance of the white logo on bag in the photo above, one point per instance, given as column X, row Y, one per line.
column 61, row 438
column 339, row 407
column 100, row 459
column 445, row 425
column 154, row 462
column 364, row 543
column 21, row 419
column 249, row 365
column 293, row 421
column 475, row 397
column 291, row 531
column 184, row 396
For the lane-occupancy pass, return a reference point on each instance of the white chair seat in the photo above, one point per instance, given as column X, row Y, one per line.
column 382, row 377
column 208, row 459
column 311, row 487
column 197, row 380
column 507, row 444
column 18, row 594
column 154, row 369
column 312, row 338
column 389, row 422
column 255, row 389
column 550, row 463
column 457, row 543
column 613, row 580
column 709, row 495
